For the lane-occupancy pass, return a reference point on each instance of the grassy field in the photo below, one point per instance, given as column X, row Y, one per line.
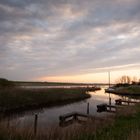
column 18, row 98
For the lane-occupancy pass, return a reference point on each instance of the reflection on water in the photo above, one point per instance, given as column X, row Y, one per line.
column 47, row 117
column 62, row 86
column 35, row 124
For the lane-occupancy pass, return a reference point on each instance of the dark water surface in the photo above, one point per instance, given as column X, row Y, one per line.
column 50, row 116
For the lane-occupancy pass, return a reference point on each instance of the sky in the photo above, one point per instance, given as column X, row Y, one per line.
column 69, row 40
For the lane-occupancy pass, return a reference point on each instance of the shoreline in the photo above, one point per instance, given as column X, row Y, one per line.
column 122, row 93
column 131, row 90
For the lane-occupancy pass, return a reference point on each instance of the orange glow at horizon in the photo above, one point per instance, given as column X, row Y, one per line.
column 101, row 77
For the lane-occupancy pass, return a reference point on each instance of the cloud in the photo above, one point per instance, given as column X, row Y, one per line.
column 58, row 37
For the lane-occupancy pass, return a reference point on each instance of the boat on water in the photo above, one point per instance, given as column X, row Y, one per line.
column 110, row 89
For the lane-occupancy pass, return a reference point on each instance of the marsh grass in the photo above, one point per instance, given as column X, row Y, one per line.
column 19, row 98
column 73, row 132
column 134, row 135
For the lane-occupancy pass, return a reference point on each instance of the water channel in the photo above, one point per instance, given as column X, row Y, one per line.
column 47, row 117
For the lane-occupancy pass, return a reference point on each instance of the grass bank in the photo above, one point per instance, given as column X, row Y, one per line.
column 125, row 126
column 132, row 90
column 21, row 99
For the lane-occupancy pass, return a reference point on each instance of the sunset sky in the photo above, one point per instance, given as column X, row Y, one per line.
column 69, row 40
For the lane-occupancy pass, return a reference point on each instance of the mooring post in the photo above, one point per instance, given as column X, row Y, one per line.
column 118, row 102
column 35, row 124
column 75, row 116
column 110, row 102
column 8, row 122
column 87, row 108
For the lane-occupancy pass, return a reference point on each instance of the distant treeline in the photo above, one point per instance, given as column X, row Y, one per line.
column 4, row 83
column 26, row 83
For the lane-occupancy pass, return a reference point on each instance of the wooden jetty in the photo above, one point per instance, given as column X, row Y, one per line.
column 106, row 108
column 120, row 102
column 70, row 118
column 72, row 115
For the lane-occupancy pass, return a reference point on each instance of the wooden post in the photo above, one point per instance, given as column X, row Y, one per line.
column 8, row 122
column 35, row 124
column 110, row 102
column 118, row 102
column 87, row 108
column 109, row 87
column 75, row 116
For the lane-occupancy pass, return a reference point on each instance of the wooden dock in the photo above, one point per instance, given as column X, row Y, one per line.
column 120, row 102
column 72, row 117
column 106, row 108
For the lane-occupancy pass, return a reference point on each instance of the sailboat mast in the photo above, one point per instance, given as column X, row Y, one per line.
column 109, row 78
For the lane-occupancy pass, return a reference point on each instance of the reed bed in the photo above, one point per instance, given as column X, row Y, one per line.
column 19, row 99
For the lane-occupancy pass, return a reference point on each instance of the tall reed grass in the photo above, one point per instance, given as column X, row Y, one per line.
column 18, row 98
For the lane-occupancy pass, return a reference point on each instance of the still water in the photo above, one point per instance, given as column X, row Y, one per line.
column 50, row 116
